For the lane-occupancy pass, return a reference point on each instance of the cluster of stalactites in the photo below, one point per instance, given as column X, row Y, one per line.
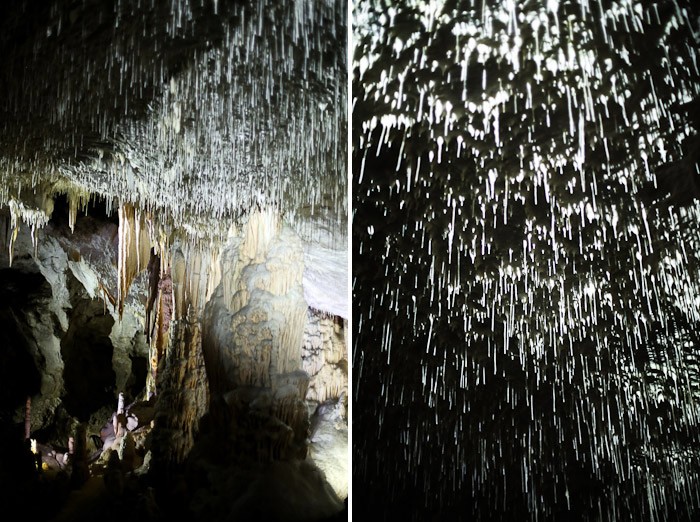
column 34, row 207
column 526, row 229
column 35, row 218
column 181, row 277
column 522, row 239
column 187, row 281
column 134, row 250
column 257, row 119
column 77, row 200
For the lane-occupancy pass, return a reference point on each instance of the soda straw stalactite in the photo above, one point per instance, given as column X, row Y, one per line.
column 526, row 233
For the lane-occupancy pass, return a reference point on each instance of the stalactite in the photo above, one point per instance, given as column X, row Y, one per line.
column 160, row 330
column 78, row 198
column 134, row 250
column 72, row 212
column 35, row 218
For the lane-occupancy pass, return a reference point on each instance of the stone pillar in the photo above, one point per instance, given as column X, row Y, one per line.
column 254, row 326
column 184, row 397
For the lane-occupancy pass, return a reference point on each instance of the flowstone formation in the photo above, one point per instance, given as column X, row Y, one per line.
column 525, row 239
column 174, row 204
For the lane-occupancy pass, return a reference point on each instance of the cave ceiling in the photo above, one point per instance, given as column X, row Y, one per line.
column 197, row 112
column 526, row 275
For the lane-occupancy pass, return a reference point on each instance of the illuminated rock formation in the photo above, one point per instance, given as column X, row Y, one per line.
column 173, row 199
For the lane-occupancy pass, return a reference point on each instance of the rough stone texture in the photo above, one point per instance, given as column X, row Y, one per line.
column 325, row 356
column 329, row 444
column 185, row 396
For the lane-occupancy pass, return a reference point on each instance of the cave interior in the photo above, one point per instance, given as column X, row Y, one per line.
column 174, row 262
column 525, row 235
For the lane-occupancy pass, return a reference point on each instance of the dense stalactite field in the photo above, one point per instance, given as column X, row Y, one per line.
column 196, row 110
column 525, row 237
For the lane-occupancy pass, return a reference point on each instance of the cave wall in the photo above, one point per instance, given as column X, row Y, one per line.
column 64, row 320
column 325, row 356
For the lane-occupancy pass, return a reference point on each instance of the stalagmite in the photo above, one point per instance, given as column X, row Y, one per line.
column 79, row 459
column 185, row 397
column 120, row 404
